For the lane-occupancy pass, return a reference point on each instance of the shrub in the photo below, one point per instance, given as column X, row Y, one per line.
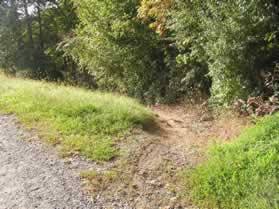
column 123, row 53
column 227, row 42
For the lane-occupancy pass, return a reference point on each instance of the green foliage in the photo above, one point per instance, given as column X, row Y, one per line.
column 57, row 21
column 243, row 173
column 29, row 39
column 185, row 59
column 155, row 50
column 227, row 40
column 186, row 29
column 155, row 13
column 121, row 51
column 236, row 46
column 79, row 120
column 8, row 39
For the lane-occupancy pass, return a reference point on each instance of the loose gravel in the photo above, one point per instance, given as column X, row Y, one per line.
column 33, row 176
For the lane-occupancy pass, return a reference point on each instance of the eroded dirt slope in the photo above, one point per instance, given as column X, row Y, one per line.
column 146, row 174
column 143, row 177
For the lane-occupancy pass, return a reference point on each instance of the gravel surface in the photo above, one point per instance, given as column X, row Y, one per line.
column 33, row 176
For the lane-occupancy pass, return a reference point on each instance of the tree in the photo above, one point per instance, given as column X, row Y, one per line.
column 25, row 46
column 155, row 13
column 155, row 50
column 121, row 51
column 9, row 34
column 228, row 40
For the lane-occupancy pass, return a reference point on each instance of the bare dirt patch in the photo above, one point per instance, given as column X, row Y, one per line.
column 143, row 177
column 146, row 174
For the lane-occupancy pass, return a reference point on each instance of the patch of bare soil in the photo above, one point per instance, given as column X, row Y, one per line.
column 146, row 173
column 143, row 177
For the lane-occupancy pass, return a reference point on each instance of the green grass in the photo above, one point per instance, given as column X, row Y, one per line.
column 243, row 173
column 80, row 121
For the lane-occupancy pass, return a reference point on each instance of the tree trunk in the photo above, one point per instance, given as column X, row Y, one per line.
column 40, row 26
column 30, row 36
column 29, row 24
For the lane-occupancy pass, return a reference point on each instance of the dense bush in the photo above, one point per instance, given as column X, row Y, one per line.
column 155, row 50
column 121, row 51
column 243, row 173
column 227, row 40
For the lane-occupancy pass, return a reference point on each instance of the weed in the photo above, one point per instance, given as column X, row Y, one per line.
column 98, row 181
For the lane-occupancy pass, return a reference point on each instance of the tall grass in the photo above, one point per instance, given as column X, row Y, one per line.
column 243, row 173
column 78, row 120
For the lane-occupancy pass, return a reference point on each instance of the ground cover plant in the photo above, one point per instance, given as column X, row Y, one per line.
column 243, row 173
column 79, row 120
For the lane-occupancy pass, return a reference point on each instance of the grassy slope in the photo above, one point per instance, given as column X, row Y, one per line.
column 243, row 173
column 78, row 120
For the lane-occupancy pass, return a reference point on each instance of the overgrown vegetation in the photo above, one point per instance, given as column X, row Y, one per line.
column 154, row 50
column 123, row 53
column 227, row 41
column 79, row 121
column 243, row 173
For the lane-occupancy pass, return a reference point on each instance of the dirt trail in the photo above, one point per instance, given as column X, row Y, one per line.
column 147, row 179
column 32, row 176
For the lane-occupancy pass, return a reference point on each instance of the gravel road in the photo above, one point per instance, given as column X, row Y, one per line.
column 33, row 176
